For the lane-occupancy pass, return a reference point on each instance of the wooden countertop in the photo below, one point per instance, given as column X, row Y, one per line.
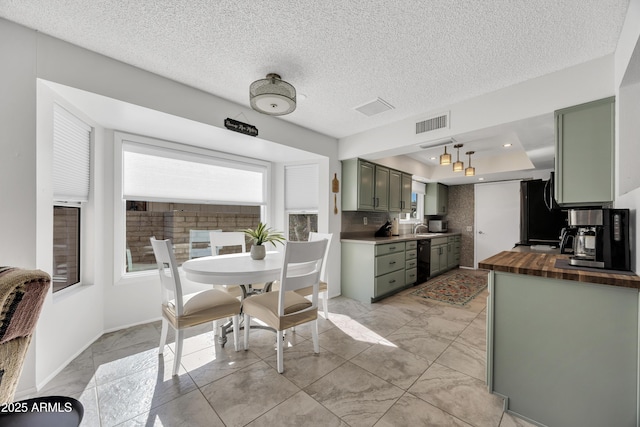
column 543, row 265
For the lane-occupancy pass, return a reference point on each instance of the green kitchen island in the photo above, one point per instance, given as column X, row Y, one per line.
column 562, row 343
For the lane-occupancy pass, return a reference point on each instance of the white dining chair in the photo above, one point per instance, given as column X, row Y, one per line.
column 324, row 289
column 286, row 308
column 199, row 243
column 184, row 311
column 220, row 239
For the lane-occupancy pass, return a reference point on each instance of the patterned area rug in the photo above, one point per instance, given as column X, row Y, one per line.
column 457, row 287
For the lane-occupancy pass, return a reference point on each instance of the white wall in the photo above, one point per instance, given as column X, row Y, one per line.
column 25, row 213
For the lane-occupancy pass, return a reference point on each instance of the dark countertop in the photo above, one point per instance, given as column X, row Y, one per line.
column 404, row 238
column 544, row 265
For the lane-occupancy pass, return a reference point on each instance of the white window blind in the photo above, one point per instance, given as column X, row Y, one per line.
column 71, row 156
column 301, row 187
column 160, row 174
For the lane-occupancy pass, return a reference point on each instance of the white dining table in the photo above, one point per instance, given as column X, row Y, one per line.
column 235, row 269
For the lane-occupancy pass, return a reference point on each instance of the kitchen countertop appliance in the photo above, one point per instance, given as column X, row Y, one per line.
column 438, row 226
column 602, row 238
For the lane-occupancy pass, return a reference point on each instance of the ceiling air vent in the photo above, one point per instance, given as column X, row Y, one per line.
column 374, row 107
column 433, row 123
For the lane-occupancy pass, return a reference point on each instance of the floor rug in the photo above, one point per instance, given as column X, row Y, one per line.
column 457, row 287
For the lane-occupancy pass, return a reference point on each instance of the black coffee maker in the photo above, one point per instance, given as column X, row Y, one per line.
column 601, row 239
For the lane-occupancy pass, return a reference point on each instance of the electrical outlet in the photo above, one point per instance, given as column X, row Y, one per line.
column 364, row 220
column 469, row 228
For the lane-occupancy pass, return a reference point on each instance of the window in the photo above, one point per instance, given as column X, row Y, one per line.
column 301, row 200
column 177, row 192
column 71, row 185
column 66, row 247
column 417, row 204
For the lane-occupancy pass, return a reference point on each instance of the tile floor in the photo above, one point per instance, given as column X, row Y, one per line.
column 404, row 361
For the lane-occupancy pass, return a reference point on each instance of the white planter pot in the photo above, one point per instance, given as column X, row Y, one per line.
column 258, row 252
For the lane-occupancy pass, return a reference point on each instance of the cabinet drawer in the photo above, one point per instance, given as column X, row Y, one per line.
column 389, row 248
column 411, row 263
column 389, row 282
column 413, row 244
column 388, row 263
column 412, row 254
column 411, row 276
column 439, row 241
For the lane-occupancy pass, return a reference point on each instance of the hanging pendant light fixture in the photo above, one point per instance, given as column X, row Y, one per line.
column 470, row 171
column 272, row 96
column 458, row 166
column 445, row 159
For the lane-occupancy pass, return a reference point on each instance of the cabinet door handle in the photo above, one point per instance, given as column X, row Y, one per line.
column 392, row 281
column 392, row 262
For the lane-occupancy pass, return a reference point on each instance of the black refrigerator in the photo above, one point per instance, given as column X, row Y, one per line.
column 539, row 225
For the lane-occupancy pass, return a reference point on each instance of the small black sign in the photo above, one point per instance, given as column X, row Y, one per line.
column 240, row 127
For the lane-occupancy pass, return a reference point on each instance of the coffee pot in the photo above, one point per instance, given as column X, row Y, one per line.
column 584, row 243
column 567, row 239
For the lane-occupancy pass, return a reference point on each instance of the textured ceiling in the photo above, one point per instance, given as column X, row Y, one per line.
column 416, row 55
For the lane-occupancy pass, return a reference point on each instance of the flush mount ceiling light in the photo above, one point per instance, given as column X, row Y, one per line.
column 458, row 166
column 272, row 96
column 470, row 171
column 445, row 159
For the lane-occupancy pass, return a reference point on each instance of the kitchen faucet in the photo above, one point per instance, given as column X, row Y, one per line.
column 415, row 229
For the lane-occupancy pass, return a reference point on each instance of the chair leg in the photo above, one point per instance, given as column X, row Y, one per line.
column 314, row 336
column 163, row 335
column 178, row 355
column 247, row 322
column 280, row 336
column 236, row 331
column 325, row 302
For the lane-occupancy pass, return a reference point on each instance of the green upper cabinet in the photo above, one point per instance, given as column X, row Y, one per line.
column 436, row 199
column 365, row 186
column 399, row 191
column 584, row 162
column 381, row 202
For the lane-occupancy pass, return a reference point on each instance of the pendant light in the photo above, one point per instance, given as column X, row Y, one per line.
column 272, row 96
column 458, row 166
column 445, row 159
column 470, row 171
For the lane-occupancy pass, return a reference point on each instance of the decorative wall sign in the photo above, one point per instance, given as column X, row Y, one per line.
column 240, row 127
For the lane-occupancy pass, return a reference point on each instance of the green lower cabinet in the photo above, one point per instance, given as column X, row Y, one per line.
column 563, row 353
column 371, row 272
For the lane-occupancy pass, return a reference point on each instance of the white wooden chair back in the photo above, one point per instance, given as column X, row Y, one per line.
column 168, row 270
column 220, row 239
column 301, row 268
column 314, row 237
column 197, row 239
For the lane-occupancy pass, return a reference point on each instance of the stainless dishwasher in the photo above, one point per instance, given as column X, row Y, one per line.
column 424, row 256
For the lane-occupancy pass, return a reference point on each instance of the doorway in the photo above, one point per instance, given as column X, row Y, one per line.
column 497, row 218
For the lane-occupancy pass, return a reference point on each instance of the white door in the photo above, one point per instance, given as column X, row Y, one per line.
column 497, row 218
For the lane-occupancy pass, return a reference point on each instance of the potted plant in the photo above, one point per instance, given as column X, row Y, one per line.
column 260, row 235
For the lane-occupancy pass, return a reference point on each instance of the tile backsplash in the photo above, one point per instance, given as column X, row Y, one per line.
column 353, row 222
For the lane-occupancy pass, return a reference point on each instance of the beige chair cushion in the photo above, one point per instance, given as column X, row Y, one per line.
column 322, row 287
column 202, row 307
column 265, row 307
